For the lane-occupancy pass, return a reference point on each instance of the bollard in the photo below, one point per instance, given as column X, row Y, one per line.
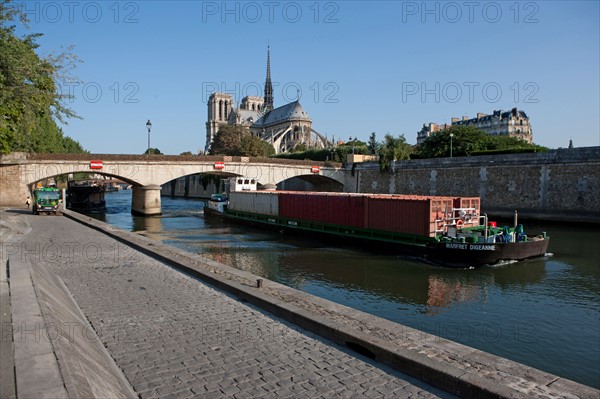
column 259, row 283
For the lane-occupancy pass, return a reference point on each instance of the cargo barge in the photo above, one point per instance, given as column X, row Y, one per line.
column 85, row 196
column 446, row 231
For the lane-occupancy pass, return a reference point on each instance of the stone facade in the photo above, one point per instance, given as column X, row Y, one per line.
column 513, row 123
column 561, row 184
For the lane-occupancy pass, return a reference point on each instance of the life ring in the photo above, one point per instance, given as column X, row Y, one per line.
column 459, row 223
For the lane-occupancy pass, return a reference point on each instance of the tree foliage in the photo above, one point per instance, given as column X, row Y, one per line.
column 153, row 151
column 468, row 140
column 373, row 145
column 393, row 149
column 237, row 141
column 252, row 146
column 30, row 100
column 227, row 141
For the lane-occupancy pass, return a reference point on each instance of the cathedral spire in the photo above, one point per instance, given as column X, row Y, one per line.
column 268, row 84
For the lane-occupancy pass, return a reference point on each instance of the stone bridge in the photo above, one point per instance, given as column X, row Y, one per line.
column 20, row 172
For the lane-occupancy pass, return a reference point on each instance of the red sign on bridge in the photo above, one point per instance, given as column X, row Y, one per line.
column 219, row 165
column 96, row 164
column 314, row 169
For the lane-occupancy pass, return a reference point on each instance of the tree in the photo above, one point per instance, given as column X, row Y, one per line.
column 373, row 145
column 252, row 146
column 393, row 149
column 153, row 151
column 468, row 140
column 29, row 97
column 237, row 140
column 228, row 140
column 186, row 153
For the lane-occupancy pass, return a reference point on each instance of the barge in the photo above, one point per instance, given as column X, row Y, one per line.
column 85, row 196
column 446, row 231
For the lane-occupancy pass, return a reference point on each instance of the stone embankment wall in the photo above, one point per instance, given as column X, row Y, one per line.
column 562, row 184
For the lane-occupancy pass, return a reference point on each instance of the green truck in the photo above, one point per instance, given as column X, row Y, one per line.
column 46, row 200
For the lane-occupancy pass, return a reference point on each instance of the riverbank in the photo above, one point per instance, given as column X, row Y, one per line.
column 453, row 367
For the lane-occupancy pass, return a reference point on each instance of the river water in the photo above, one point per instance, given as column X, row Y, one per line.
column 544, row 313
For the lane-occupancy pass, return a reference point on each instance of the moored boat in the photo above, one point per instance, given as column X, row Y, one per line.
column 444, row 230
column 85, row 196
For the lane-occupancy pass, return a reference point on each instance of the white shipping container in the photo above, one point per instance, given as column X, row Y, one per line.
column 262, row 202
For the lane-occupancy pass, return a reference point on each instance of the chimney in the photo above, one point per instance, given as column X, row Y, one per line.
column 465, row 118
column 480, row 115
column 454, row 120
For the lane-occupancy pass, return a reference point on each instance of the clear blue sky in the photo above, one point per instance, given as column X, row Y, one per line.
column 361, row 67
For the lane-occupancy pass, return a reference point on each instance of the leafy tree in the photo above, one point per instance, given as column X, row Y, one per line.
column 186, row 153
column 29, row 97
column 300, row 147
column 393, row 149
column 228, row 140
column 252, row 146
column 237, row 140
column 153, row 151
column 373, row 145
column 468, row 140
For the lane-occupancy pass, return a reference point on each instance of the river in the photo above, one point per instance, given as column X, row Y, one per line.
column 544, row 313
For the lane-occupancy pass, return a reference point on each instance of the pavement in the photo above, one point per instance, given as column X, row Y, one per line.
column 124, row 312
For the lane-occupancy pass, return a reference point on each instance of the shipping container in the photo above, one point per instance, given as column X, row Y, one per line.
column 331, row 208
column 262, row 202
column 407, row 214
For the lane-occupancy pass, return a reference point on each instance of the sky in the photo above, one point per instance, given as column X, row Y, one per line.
column 357, row 67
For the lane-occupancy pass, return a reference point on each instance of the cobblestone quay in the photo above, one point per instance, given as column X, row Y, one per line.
column 175, row 336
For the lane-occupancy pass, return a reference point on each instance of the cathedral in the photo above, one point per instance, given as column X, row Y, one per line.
column 283, row 127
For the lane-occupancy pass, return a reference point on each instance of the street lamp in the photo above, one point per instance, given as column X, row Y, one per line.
column 353, row 140
column 149, row 126
column 451, row 135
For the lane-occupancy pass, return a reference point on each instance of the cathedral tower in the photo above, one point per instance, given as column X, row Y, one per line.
column 220, row 106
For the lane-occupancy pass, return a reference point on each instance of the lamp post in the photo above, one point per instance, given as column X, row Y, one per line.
column 149, row 126
column 451, row 135
column 353, row 140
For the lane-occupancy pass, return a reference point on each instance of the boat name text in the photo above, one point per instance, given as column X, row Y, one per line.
column 471, row 247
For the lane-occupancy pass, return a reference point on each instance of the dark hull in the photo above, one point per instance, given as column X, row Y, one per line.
column 86, row 198
column 457, row 255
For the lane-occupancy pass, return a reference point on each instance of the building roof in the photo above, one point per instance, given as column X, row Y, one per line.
column 246, row 116
column 288, row 112
column 496, row 115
